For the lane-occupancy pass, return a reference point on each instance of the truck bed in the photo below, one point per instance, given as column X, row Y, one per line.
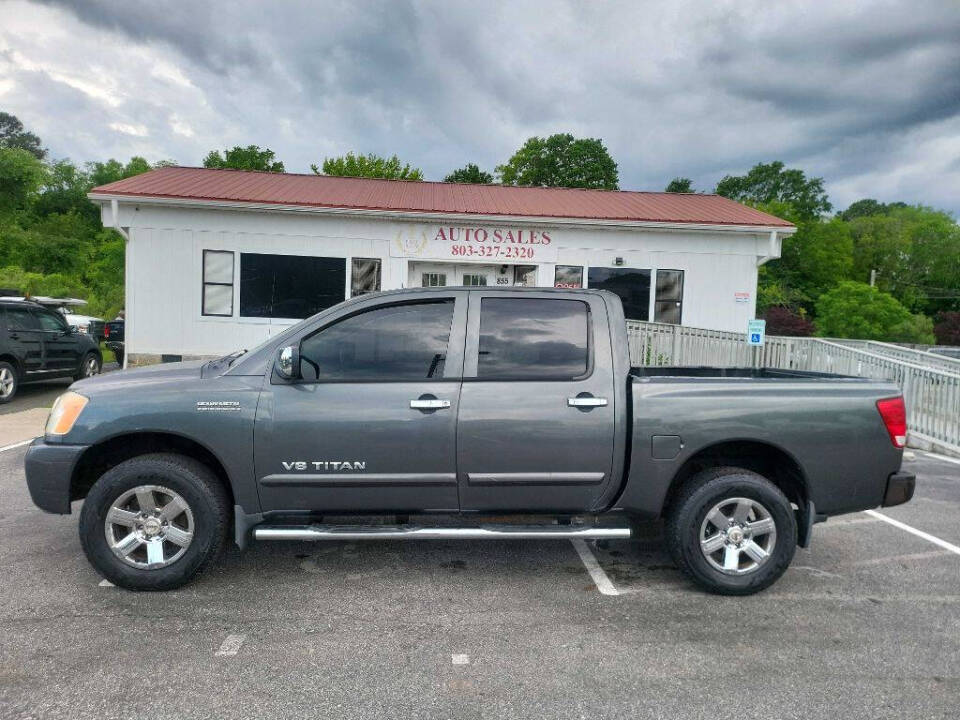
column 824, row 427
column 705, row 371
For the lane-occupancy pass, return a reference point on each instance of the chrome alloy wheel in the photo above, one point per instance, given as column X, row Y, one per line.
column 7, row 382
column 91, row 367
column 738, row 536
column 149, row 527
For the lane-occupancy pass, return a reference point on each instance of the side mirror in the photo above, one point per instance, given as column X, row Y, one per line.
column 287, row 364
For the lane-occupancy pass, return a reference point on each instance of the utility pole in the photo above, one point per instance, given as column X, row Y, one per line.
column 873, row 277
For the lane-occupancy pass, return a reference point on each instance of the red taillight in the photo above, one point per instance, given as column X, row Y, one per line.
column 106, row 331
column 894, row 414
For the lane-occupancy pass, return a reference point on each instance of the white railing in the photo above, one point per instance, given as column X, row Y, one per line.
column 931, row 394
column 918, row 357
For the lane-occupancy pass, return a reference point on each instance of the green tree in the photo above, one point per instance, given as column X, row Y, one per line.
column 103, row 173
column 13, row 135
column 22, row 174
column 815, row 259
column 867, row 207
column 470, row 173
column 915, row 252
column 918, row 329
column 251, row 157
column 65, row 190
column 812, row 260
column 680, row 185
column 857, row 310
column 561, row 161
column 368, row 166
column 774, row 182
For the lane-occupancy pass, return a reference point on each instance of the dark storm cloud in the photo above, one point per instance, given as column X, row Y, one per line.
column 199, row 30
column 866, row 94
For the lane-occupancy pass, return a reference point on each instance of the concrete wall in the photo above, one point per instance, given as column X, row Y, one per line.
column 164, row 266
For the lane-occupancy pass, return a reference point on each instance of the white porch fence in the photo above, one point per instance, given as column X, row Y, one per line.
column 931, row 392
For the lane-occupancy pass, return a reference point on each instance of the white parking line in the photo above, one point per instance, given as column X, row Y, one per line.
column 956, row 461
column 913, row 531
column 16, row 445
column 231, row 646
column 600, row 578
column 106, row 583
column 460, row 659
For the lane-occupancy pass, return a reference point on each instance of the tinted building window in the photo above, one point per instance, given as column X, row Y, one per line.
column 364, row 276
column 669, row 296
column 398, row 342
column 632, row 285
column 289, row 286
column 568, row 276
column 529, row 338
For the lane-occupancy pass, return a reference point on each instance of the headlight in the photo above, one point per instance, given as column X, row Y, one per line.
column 64, row 413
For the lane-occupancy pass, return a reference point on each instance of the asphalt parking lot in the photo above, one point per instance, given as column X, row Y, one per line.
column 866, row 624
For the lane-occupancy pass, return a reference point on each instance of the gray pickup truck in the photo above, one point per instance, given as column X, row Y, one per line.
column 463, row 413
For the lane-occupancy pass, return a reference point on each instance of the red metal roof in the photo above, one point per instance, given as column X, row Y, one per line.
column 187, row 183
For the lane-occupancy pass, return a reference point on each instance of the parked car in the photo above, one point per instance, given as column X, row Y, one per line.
column 36, row 343
column 464, row 403
column 113, row 337
column 86, row 324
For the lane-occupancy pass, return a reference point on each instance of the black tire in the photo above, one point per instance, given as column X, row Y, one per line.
column 118, row 354
column 10, row 382
column 687, row 516
column 204, row 494
column 85, row 371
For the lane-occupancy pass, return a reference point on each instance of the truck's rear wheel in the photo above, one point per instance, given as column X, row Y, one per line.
column 732, row 531
column 154, row 522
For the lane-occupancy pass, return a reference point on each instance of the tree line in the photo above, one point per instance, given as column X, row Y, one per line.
column 885, row 271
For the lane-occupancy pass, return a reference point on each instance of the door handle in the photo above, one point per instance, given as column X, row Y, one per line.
column 433, row 404
column 586, row 402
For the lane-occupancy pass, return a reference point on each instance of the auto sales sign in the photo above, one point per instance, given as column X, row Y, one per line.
column 465, row 243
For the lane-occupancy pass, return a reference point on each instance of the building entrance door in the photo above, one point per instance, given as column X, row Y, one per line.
column 466, row 274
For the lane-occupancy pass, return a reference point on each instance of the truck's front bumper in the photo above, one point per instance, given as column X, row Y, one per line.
column 49, row 469
column 900, row 487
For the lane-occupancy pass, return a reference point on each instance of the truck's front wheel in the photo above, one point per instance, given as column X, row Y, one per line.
column 154, row 522
column 732, row 531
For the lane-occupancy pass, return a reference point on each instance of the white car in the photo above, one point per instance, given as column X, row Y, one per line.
column 83, row 323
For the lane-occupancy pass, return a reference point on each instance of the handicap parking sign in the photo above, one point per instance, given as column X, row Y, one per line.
column 755, row 332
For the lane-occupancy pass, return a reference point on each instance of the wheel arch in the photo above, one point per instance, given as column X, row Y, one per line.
column 13, row 360
column 108, row 453
column 766, row 458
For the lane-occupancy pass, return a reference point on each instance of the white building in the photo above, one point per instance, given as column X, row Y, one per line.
column 220, row 259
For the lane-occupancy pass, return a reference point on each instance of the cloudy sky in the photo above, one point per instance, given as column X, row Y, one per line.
column 865, row 94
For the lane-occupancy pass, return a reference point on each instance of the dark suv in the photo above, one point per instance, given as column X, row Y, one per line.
column 38, row 344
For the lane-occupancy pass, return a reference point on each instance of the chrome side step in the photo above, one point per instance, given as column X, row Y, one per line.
column 401, row 532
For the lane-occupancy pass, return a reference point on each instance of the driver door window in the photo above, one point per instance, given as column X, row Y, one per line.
column 395, row 343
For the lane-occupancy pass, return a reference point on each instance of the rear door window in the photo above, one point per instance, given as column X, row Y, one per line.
column 21, row 318
column 533, row 339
